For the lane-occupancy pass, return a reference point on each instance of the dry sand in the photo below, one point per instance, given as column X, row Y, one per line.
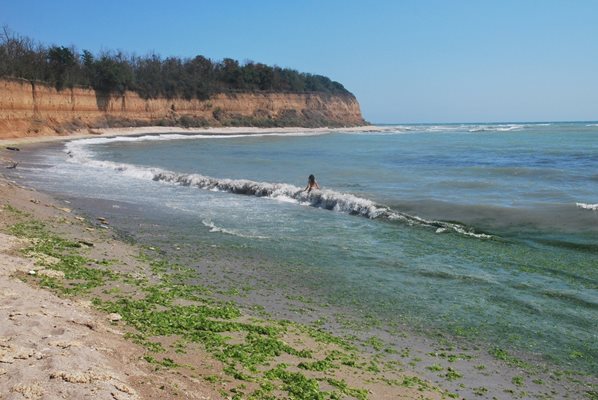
column 111, row 132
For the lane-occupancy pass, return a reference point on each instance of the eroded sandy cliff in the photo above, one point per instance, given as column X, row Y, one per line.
column 34, row 109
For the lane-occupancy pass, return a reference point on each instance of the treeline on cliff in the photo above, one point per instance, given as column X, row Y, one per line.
column 150, row 76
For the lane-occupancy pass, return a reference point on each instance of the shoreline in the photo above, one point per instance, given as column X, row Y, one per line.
column 54, row 346
column 446, row 367
column 154, row 130
column 95, row 348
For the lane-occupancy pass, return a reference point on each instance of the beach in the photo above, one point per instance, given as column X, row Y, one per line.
column 133, row 131
column 61, row 347
column 194, row 203
column 56, row 342
column 154, row 267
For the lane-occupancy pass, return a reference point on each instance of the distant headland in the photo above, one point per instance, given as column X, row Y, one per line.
column 49, row 90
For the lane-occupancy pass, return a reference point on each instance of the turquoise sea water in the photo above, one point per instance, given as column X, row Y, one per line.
column 486, row 230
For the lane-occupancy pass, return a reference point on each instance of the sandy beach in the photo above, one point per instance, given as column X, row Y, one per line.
column 61, row 347
column 89, row 313
column 153, row 130
column 62, row 273
column 194, row 203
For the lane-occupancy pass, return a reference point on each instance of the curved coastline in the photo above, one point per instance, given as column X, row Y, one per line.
column 504, row 371
column 156, row 130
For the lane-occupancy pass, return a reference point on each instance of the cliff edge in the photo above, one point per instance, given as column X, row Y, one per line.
column 36, row 109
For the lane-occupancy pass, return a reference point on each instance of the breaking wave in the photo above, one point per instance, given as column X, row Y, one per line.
column 325, row 199
column 249, row 133
column 585, row 206
column 458, row 128
column 450, row 128
column 496, row 128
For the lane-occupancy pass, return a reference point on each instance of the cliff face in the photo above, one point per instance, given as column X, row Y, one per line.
column 33, row 109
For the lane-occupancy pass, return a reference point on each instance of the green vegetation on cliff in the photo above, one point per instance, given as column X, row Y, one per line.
column 150, row 76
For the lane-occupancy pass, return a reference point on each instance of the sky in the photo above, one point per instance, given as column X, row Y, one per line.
column 406, row 61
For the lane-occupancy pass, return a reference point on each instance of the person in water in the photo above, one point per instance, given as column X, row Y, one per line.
column 311, row 184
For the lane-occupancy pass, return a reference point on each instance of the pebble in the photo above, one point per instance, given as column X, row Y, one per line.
column 115, row 317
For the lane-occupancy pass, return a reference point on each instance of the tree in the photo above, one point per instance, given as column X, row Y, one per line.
column 61, row 63
column 150, row 76
column 231, row 74
column 200, row 73
column 112, row 74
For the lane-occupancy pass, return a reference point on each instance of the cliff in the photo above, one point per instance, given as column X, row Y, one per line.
column 35, row 109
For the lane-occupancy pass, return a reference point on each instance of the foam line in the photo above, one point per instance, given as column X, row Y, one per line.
column 586, row 206
column 326, row 199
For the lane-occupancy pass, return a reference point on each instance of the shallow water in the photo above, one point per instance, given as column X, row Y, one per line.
column 486, row 230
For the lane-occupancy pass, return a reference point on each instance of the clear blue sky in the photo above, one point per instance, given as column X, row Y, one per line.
column 406, row 61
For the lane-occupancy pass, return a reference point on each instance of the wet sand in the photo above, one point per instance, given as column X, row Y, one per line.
column 55, row 344
column 467, row 372
column 152, row 130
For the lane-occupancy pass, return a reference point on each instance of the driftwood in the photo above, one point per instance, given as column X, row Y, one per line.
column 13, row 148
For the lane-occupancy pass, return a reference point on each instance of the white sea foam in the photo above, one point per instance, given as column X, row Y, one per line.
column 449, row 128
column 496, row 128
column 183, row 136
column 233, row 232
column 79, row 152
column 586, row 206
column 326, row 199
column 381, row 129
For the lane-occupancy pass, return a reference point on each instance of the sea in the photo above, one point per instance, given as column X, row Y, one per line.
column 488, row 232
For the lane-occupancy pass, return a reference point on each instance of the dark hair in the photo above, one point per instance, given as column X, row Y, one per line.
column 311, row 178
